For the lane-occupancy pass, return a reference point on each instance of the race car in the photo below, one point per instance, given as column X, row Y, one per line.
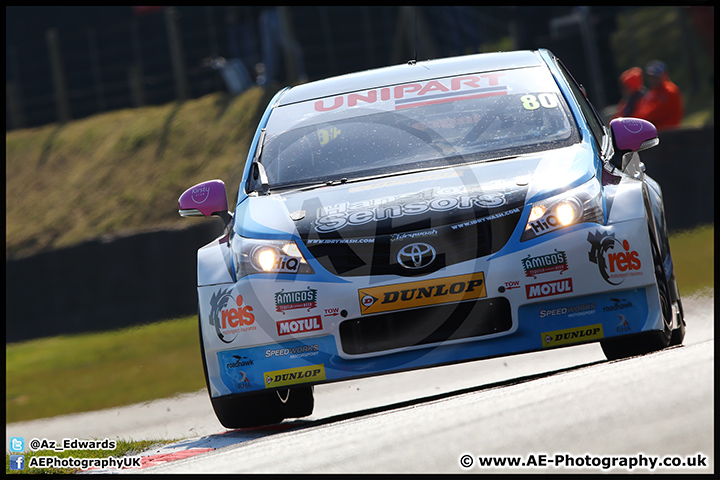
column 426, row 214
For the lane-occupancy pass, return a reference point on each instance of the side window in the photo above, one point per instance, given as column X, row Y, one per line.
column 591, row 116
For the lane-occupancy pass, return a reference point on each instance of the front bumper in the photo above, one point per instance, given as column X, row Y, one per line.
column 275, row 331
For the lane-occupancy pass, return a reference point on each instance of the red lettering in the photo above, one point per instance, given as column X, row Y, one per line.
column 320, row 106
column 617, row 260
column 231, row 317
column 410, row 87
column 470, row 81
column 353, row 98
column 384, row 94
column 248, row 317
column 234, row 317
column 433, row 85
column 493, row 78
column 623, row 261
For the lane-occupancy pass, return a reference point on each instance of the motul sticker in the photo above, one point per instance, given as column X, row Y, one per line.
column 546, row 289
column 299, row 325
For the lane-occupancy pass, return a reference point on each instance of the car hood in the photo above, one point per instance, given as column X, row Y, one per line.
column 415, row 201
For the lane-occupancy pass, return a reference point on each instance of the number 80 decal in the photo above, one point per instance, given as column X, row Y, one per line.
column 531, row 102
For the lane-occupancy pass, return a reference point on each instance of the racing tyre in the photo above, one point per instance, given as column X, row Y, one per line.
column 297, row 401
column 249, row 409
column 263, row 408
column 259, row 408
column 245, row 410
column 646, row 342
column 678, row 335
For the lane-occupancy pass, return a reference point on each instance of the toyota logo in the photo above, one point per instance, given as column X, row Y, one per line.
column 416, row 255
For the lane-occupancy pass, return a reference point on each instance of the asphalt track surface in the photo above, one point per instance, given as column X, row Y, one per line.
column 562, row 411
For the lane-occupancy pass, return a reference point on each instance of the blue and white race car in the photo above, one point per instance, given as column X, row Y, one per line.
column 426, row 214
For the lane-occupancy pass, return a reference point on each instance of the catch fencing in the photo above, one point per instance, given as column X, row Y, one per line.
column 162, row 54
column 124, row 57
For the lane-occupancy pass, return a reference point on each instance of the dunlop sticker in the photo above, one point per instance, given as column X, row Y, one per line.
column 419, row 294
column 572, row 335
column 293, row 376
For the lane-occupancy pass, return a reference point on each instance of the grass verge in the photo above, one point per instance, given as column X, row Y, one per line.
column 693, row 253
column 121, row 171
column 93, row 371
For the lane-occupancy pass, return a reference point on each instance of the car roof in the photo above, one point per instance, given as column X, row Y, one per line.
column 409, row 72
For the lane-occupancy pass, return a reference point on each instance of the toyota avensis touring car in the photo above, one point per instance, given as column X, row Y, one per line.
column 427, row 214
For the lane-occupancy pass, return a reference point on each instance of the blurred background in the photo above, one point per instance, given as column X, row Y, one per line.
column 66, row 63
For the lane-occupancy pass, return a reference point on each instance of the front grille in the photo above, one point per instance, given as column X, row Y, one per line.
column 425, row 326
column 453, row 243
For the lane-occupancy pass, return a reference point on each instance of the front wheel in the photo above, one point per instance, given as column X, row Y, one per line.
column 248, row 410
column 645, row 342
column 678, row 335
column 258, row 408
column 297, row 401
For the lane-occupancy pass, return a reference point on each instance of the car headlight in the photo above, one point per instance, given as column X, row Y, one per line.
column 267, row 256
column 579, row 205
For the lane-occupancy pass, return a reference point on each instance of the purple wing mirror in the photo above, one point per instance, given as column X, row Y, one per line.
column 633, row 134
column 204, row 200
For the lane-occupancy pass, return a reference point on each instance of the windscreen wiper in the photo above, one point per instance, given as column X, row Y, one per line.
column 310, row 185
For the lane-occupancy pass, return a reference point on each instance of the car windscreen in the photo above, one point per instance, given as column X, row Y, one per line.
column 445, row 121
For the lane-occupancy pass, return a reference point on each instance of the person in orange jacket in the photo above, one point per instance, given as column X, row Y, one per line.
column 631, row 84
column 662, row 105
